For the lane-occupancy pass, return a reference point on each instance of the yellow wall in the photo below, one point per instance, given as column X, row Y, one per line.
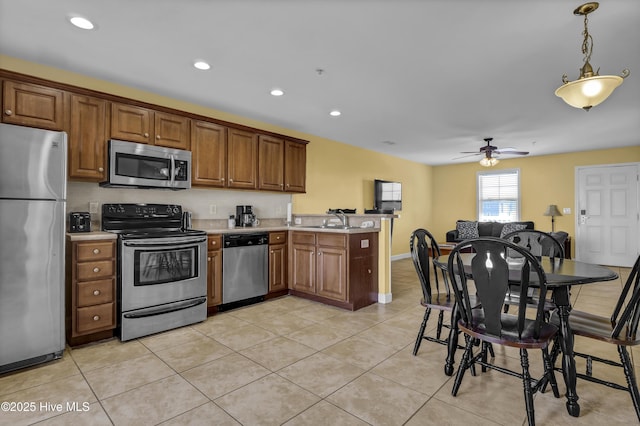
column 544, row 180
column 338, row 175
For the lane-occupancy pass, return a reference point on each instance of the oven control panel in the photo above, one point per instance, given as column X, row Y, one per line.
column 141, row 210
column 125, row 217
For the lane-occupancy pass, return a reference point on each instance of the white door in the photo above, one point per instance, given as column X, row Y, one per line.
column 607, row 214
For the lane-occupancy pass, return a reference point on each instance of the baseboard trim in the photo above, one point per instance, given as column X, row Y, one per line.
column 384, row 297
column 400, row 256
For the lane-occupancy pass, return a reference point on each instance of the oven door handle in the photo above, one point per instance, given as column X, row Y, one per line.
column 165, row 310
column 164, row 243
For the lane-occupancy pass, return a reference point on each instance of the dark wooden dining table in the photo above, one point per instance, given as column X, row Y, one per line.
column 561, row 275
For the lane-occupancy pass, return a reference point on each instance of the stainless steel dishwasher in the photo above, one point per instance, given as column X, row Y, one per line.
column 245, row 273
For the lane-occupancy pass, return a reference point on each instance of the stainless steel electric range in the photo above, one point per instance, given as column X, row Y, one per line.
column 162, row 268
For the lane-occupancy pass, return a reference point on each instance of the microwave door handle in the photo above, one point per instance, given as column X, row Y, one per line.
column 173, row 171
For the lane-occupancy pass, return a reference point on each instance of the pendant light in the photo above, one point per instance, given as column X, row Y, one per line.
column 590, row 88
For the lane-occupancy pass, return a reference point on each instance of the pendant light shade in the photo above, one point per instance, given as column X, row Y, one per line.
column 588, row 92
column 590, row 89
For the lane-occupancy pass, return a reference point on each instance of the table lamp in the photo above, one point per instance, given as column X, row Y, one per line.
column 552, row 211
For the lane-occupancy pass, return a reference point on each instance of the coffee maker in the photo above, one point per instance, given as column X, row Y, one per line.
column 245, row 216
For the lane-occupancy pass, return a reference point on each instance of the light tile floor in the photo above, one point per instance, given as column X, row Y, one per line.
column 295, row 362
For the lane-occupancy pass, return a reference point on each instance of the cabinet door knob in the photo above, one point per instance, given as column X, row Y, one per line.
column 271, row 251
column 230, row 180
column 96, row 317
column 369, row 270
column 158, row 137
column 96, row 251
column 146, row 135
column 208, row 259
column 222, row 179
column 213, row 243
column 96, row 269
column 96, row 292
column 101, row 169
column 8, row 112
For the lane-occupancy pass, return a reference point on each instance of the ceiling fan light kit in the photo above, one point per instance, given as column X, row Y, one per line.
column 489, row 161
column 590, row 89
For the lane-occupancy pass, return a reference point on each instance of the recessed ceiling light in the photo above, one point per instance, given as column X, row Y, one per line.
column 277, row 92
column 335, row 113
column 81, row 22
column 201, row 65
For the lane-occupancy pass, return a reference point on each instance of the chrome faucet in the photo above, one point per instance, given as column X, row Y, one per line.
column 343, row 218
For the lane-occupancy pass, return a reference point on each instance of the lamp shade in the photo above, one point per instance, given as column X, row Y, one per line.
column 587, row 92
column 552, row 210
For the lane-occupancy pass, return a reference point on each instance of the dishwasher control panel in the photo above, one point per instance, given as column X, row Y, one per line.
column 244, row 240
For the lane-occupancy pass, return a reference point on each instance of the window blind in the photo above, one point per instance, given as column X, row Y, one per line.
column 499, row 196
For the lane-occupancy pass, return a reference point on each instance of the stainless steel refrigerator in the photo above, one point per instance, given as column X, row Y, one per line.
column 33, row 169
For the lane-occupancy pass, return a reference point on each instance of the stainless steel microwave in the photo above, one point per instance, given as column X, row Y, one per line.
column 147, row 166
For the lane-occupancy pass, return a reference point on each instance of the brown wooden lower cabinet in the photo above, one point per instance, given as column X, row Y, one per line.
column 335, row 268
column 278, row 257
column 90, row 290
column 214, row 270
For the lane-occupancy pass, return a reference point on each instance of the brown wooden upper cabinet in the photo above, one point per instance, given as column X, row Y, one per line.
column 295, row 166
column 87, row 137
column 281, row 164
column 209, row 154
column 27, row 104
column 142, row 125
column 270, row 163
column 242, row 159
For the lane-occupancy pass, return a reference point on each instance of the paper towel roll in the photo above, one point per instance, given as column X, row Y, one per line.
column 288, row 212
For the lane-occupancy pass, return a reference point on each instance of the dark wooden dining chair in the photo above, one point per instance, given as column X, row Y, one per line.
column 488, row 323
column 620, row 329
column 424, row 249
column 539, row 244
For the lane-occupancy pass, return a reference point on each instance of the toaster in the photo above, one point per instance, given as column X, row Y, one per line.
column 79, row 222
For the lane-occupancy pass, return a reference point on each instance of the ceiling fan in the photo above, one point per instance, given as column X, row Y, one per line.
column 490, row 152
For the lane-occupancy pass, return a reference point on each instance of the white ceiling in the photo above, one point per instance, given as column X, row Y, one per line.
column 421, row 80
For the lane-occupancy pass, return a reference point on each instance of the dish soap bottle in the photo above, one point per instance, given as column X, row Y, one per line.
column 232, row 222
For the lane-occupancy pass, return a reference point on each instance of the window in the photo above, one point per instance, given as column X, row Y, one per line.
column 499, row 196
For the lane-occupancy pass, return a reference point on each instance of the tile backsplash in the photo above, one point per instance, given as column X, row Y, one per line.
column 203, row 203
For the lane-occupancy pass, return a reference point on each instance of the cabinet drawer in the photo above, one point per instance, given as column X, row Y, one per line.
column 95, row 292
column 277, row 237
column 92, row 270
column 94, row 250
column 93, row 318
column 332, row 240
column 303, row 238
column 214, row 242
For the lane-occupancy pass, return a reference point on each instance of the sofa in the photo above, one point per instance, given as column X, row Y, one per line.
column 485, row 229
column 497, row 229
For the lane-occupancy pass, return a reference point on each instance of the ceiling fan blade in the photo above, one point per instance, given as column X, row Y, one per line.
column 470, row 152
column 509, row 152
column 465, row 156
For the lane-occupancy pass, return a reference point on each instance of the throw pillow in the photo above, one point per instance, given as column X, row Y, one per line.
column 511, row 227
column 467, row 230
